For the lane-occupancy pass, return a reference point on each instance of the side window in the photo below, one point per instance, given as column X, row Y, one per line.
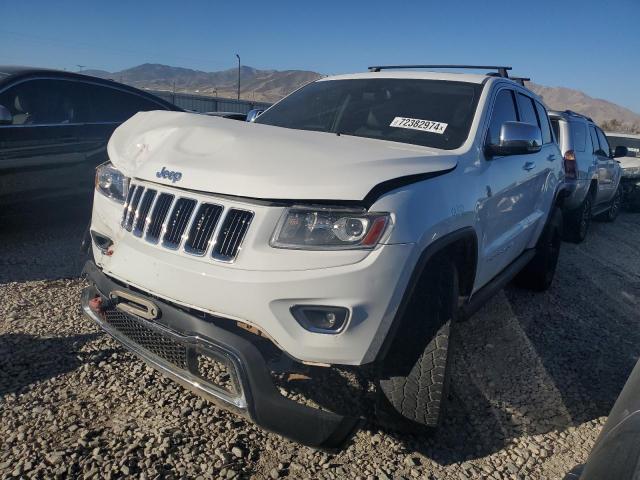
column 504, row 110
column 604, row 144
column 112, row 105
column 46, row 102
column 578, row 135
column 527, row 112
column 594, row 138
column 545, row 126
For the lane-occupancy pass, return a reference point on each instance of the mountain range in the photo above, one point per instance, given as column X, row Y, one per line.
column 272, row 85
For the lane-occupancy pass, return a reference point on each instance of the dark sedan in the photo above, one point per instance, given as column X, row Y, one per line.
column 54, row 128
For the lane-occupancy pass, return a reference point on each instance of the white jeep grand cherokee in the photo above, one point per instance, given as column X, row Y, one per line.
column 350, row 227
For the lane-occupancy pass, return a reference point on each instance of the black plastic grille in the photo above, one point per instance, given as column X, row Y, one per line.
column 178, row 221
column 156, row 343
column 158, row 215
column 202, row 228
column 232, row 233
column 133, row 206
column 143, row 211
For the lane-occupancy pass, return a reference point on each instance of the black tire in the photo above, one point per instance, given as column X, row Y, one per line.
column 577, row 222
column 539, row 272
column 414, row 377
column 614, row 209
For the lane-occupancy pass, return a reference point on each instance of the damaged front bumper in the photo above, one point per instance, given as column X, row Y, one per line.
column 220, row 365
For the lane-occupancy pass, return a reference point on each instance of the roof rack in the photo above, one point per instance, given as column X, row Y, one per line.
column 520, row 80
column 502, row 70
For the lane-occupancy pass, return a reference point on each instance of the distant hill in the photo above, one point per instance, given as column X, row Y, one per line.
column 259, row 85
column 272, row 85
column 603, row 112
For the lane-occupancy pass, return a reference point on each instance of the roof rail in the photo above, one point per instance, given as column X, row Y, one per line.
column 502, row 70
column 576, row 114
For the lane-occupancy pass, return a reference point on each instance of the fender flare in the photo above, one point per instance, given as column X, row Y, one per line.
column 427, row 254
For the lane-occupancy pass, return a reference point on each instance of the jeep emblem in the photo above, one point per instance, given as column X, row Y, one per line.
column 173, row 176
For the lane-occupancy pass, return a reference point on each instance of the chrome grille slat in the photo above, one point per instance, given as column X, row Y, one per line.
column 143, row 212
column 177, row 222
column 233, row 231
column 127, row 203
column 202, row 228
column 191, row 226
column 158, row 216
column 133, row 207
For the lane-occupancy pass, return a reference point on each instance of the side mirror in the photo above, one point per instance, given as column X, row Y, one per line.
column 253, row 114
column 517, row 138
column 5, row 116
column 621, row 151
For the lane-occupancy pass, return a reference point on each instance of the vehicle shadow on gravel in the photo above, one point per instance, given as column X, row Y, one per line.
column 28, row 359
column 530, row 363
column 42, row 241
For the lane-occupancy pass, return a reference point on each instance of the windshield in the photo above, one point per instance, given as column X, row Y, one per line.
column 633, row 144
column 431, row 113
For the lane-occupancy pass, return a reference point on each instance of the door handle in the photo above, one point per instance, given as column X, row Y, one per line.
column 529, row 166
column 551, row 157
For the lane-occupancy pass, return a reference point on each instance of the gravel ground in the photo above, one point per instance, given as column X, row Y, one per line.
column 535, row 376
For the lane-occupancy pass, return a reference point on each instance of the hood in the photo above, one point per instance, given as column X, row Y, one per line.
column 231, row 157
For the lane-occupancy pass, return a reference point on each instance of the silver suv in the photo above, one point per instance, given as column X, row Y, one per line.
column 592, row 174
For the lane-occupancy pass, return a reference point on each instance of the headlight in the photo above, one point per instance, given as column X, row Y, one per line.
column 111, row 182
column 329, row 229
column 631, row 171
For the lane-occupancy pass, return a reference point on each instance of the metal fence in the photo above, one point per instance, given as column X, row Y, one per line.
column 203, row 103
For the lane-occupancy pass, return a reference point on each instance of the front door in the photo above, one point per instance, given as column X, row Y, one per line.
column 39, row 154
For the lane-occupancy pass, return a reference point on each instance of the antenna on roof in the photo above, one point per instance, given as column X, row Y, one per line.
column 502, row 70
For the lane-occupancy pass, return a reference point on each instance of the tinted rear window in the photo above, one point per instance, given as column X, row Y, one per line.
column 431, row 113
column 112, row 105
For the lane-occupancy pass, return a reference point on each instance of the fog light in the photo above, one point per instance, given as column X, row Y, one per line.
column 103, row 242
column 321, row 319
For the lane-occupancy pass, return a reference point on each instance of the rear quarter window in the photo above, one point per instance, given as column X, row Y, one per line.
column 578, row 136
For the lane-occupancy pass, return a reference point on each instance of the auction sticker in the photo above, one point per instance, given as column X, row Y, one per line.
column 418, row 124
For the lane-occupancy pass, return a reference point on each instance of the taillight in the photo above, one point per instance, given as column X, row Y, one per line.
column 570, row 168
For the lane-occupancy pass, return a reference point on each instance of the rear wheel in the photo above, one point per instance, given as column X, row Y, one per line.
column 539, row 272
column 577, row 222
column 414, row 378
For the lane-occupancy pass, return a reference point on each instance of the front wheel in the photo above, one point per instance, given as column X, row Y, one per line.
column 539, row 272
column 414, row 377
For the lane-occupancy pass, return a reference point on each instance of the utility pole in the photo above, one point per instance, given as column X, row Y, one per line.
column 238, row 75
column 81, row 67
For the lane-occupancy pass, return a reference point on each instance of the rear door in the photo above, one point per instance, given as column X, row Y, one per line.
column 110, row 107
column 613, row 166
column 39, row 154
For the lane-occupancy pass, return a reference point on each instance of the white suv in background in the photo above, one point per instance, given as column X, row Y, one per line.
column 347, row 229
column 630, row 163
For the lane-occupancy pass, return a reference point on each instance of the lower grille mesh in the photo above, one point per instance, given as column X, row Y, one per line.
column 154, row 342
